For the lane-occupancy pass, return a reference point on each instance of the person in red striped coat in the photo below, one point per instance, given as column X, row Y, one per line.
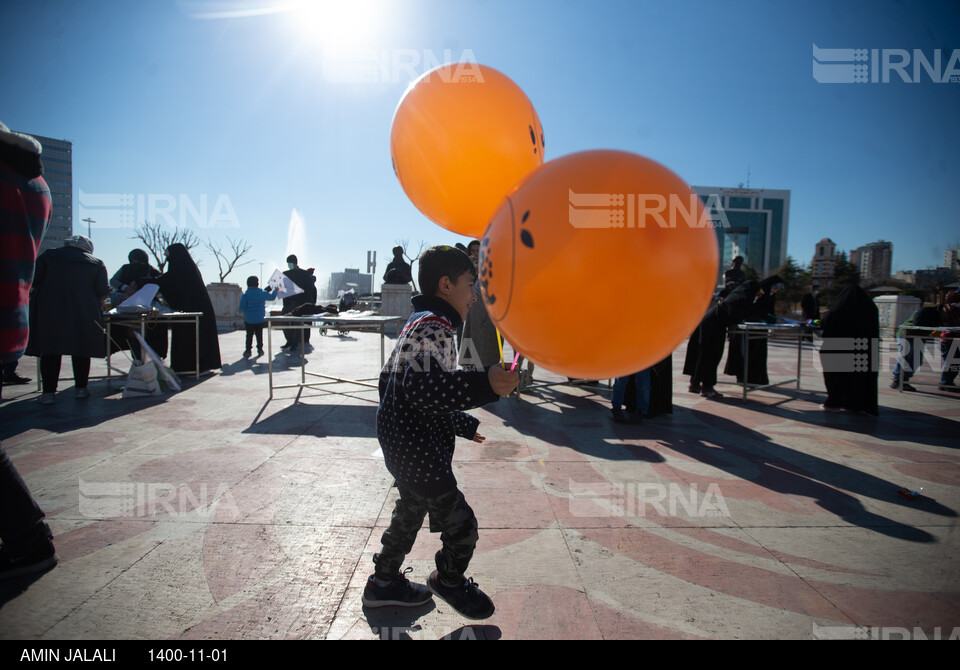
column 25, row 211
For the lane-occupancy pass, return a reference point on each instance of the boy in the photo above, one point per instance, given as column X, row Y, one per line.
column 252, row 305
column 422, row 395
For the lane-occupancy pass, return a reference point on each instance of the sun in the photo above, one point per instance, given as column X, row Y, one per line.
column 338, row 25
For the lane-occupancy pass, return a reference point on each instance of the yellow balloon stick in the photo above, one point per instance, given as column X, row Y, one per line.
column 500, row 344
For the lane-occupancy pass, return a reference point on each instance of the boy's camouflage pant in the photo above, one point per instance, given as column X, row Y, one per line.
column 450, row 515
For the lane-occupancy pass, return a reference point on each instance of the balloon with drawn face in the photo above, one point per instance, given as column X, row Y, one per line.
column 598, row 264
column 462, row 135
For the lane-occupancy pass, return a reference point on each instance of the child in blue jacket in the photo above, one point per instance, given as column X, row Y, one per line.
column 253, row 307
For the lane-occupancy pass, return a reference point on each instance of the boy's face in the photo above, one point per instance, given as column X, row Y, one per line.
column 460, row 294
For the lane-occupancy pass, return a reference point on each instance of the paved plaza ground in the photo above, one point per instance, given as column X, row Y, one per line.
column 218, row 513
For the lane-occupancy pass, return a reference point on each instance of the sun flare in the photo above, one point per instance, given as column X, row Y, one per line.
column 335, row 25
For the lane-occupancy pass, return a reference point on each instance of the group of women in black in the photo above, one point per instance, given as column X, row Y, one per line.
column 850, row 332
column 66, row 311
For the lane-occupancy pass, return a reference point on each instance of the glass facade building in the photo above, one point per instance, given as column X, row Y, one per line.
column 57, row 159
column 752, row 223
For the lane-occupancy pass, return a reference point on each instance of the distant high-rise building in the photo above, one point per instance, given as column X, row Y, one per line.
column 823, row 264
column 951, row 259
column 874, row 261
column 751, row 223
column 57, row 159
column 340, row 281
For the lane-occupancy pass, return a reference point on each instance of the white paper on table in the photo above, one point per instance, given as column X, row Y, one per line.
column 283, row 284
column 139, row 301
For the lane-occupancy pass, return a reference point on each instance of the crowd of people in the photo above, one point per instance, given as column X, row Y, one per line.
column 71, row 291
column 59, row 307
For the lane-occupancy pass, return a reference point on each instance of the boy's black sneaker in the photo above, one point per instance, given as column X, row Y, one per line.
column 399, row 592
column 42, row 557
column 466, row 597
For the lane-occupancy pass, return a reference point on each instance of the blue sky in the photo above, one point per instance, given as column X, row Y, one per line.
column 229, row 113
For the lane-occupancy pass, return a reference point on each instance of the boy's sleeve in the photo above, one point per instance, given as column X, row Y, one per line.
column 465, row 425
column 433, row 390
column 243, row 304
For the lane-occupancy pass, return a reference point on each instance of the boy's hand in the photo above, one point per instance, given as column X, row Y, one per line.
column 503, row 382
column 478, row 438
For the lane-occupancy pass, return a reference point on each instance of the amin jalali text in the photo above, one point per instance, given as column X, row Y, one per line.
column 68, row 654
column 107, row 654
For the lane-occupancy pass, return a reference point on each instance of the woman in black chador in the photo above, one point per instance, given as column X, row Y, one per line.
column 851, row 332
column 125, row 282
column 811, row 313
column 761, row 311
column 705, row 348
column 183, row 289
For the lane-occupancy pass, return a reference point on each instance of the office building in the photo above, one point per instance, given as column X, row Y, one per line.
column 874, row 261
column 951, row 259
column 749, row 222
column 57, row 159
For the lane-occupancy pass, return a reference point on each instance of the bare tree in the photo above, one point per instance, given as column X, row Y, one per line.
column 411, row 259
column 227, row 260
column 157, row 238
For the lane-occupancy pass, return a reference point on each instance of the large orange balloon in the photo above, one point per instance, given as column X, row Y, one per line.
column 462, row 136
column 598, row 264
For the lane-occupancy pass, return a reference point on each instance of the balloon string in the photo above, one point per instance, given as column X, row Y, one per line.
column 500, row 344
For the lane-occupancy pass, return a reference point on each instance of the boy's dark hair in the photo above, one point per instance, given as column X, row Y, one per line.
column 442, row 261
column 252, row 282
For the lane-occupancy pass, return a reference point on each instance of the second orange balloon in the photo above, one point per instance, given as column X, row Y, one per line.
column 598, row 264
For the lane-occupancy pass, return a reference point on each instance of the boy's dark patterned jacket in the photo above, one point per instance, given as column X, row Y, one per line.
column 422, row 398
